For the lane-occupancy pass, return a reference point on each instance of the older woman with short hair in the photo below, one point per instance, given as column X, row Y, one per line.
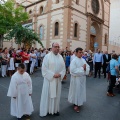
column 114, row 70
column 5, row 61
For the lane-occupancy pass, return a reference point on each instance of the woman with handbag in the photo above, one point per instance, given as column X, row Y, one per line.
column 0, row 56
column 4, row 62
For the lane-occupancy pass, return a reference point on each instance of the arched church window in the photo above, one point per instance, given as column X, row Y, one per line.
column 30, row 12
column 41, row 10
column 93, row 30
column 57, row 1
column 77, row 2
column 76, row 30
column 95, row 6
column 41, row 32
column 56, row 29
column 105, row 42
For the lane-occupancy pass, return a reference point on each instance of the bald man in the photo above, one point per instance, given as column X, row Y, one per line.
column 53, row 71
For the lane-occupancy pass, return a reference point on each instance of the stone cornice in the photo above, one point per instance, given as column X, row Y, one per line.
column 34, row 3
column 28, row 21
column 95, row 18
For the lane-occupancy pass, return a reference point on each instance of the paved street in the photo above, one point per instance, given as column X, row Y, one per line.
column 97, row 107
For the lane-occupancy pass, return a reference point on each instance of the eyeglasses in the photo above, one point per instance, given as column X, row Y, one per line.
column 56, row 46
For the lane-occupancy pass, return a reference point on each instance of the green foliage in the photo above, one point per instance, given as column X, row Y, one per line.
column 23, row 35
column 10, row 16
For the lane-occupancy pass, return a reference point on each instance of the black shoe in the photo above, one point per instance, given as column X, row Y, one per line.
column 19, row 118
column 57, row 114
column 26, row 117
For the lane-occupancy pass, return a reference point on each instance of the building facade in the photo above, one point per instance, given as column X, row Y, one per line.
column 71, row 23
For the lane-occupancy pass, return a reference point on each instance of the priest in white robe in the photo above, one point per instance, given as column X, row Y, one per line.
column 53, row 71
column 20, row 91
column 78, row 70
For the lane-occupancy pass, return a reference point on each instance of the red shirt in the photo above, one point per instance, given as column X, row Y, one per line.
column 24, row 58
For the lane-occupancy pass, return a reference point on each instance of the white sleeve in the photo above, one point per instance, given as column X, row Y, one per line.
column 48, row 74
column 29, row 84
column 63, row 70
column 12, row 91
column 87, row 68
column 76, row 71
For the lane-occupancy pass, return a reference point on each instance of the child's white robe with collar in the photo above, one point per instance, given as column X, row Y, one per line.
column 51, row 91
column 77, row 90
column 20, row 87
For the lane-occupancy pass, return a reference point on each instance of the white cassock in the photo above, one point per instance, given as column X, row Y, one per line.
column 51, row 91
column 20, row 87
column 72, row 57
column 77, row 90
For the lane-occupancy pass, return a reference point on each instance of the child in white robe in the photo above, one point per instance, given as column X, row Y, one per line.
column 20, row 91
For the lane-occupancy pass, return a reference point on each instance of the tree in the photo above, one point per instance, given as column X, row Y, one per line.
column 23, row 35
column 11, row 18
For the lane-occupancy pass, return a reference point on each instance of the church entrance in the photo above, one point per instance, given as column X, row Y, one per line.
column 92, row 41
column 94, row 37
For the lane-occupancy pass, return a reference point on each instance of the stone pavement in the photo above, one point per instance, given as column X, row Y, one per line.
column 97, row 107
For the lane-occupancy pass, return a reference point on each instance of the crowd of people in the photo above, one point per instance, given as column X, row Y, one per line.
column 55, row 65
column 32, row 58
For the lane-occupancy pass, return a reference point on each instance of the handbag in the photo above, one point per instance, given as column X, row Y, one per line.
column 108, row 68
column 4, row 62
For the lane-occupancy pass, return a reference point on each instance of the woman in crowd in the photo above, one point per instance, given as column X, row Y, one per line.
column 39, row 57
column 85, row 56
column 114, row 71
column 33, row 61
column 11, row 66
column 25, row 58
column 90, row 63
column 18, row 59
column 67, row 61
column 0, row 55
column 5, row 61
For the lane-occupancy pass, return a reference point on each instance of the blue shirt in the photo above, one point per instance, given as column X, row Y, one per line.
column 113, row 63
column 119, row 60
column 84, row 57
column 67, row 61
column 98, row 57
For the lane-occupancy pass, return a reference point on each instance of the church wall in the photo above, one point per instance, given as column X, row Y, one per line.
column 76, row 44
column 37, row 6
column 56, row 16
column 89, row 8
column 67, row 18
column 81, row 6
column 116, row 48
column 82, row 30
column 57, row 5
column 9, row 44
column 106, row 13
column 106, row 26
column 42, row 21
column 105, row 31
